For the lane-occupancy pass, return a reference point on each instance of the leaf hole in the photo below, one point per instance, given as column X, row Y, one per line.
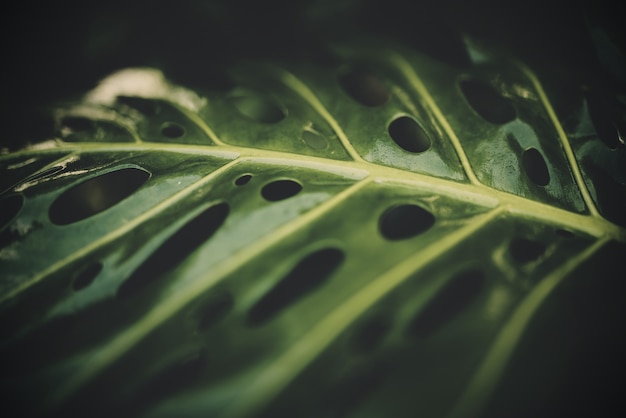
column 96, row 195
column 485, row 101
column 214, row 310
column 172, row 130
column 10, row 206
column 451, row 300
column 87, row 276
column 536, row 167
column 280, row 190
column 365, row 88
column 405, row 221
column 258, row 108
column 314, row 139
column 148, row 107
column 177, row 247
column 310, row 273
column 242, row 180
column 525, row 250
column 409, row 135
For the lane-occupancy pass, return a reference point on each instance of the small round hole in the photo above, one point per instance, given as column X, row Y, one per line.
column 172, row 130
column 409, row 135
column 241, row 180
column 280, row 190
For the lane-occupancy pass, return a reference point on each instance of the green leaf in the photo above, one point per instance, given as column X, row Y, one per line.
column 374, row 237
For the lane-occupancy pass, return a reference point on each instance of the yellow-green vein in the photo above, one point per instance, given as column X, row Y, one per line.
column 132, row 335
column 478, row 194
column 407, row 71
column 200, row 123
column 569, row 153
column 303, row 91
column 271, row 382
column 488, row 373
column 125, row 228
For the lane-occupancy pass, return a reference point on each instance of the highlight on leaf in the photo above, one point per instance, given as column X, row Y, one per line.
column 382, row 233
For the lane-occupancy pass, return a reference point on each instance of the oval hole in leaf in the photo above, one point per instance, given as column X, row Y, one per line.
column 311, row 272
column 314, row 139
column 245, row 179
column 455, row 296
column 536, row 167
column 370, row 334
column 405, row 221
column 490, row 105
column 10, row 206
column 409, row 135
column 525, row 250
column 280, row 190
column 96, row 195
column 177, row 247
column 365, row 88
column 172, row 130
column 87, row 276
column 148, row 107
column 215, row 309
column 258, row 108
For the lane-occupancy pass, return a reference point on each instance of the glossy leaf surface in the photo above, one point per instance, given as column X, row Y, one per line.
column 368, row 238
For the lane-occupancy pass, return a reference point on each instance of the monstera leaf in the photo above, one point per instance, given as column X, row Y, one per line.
column 372, row 233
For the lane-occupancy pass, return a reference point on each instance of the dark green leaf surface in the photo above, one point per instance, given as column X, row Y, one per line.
column 367, row 236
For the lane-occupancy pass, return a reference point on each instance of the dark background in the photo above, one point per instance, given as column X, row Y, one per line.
column 55, row 51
